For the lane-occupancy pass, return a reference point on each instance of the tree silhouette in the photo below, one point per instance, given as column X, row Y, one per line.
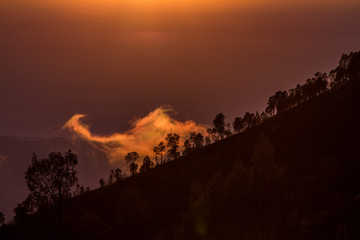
column 50, row 180
column 24, row 209
column 213, row 134
column 147, row 165
column 298, row 94
column 196, row 140
column 111, row 176
column 207, row 140
column 192, row 140
column 133, row 168
column 102, row 182
column 199, row 141
column 248, row 120
column 118, row 176
column 353, row 70
column 156, row 150
column 228, row 132
column 219, row 125
column 281, row 101
column 187, row 147
column 173, row 140
column 348, row 70
column 238, row 124
column 257, row 119
column 271, row 106
column 131, row 158
column 340, row 74
column 263, row 116
column 161, row 148
column 320, row 82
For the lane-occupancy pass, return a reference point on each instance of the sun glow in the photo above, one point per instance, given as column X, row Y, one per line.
column 125, row 5
column 162, row 5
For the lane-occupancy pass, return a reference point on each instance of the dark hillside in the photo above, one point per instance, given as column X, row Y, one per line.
column 326, row 125
column 155, row 205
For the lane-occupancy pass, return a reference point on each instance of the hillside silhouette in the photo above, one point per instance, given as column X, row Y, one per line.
column 295, row 176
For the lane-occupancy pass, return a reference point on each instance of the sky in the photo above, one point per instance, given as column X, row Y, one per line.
column 118, row 60
column 109, row 71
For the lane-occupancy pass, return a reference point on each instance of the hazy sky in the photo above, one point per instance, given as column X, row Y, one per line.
column 116, row 60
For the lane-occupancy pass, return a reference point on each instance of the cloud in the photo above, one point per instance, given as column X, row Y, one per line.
column 145, row 133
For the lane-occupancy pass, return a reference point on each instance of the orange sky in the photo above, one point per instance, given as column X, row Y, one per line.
column 115, row 60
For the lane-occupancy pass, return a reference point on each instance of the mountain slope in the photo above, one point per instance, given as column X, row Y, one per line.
column 158, row 204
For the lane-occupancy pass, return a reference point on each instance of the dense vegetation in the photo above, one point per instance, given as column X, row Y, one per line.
column 291, row 172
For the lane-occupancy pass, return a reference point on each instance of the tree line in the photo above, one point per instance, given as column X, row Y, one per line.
column 281, row 101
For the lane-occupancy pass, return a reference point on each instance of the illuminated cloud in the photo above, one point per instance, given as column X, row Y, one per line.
column 142, row 137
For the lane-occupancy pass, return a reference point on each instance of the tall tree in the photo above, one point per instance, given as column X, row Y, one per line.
column 196, row 140
column 147, row 165
column 341, row 74
column 256, row 120
column 281, row 101
column 271, row 106
column 213, row 134
column 263, row 116
column 320, row 82
column 353, row 70
column 219, row 125
column 102, row 182
column 133, row 168
column 156, row 150
column 248, row 120
column 131, row 158
column 118, row 175
column 207, row 140
column 187, row 147
column 161, row 148
column 298, row 94
column 199, row 141
column 25, row 209
column 111, row 176
column 50, row 180
column 192, row 140
column 173, row 140
column 238, row 124
column 277, row 103
column 228, row 132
